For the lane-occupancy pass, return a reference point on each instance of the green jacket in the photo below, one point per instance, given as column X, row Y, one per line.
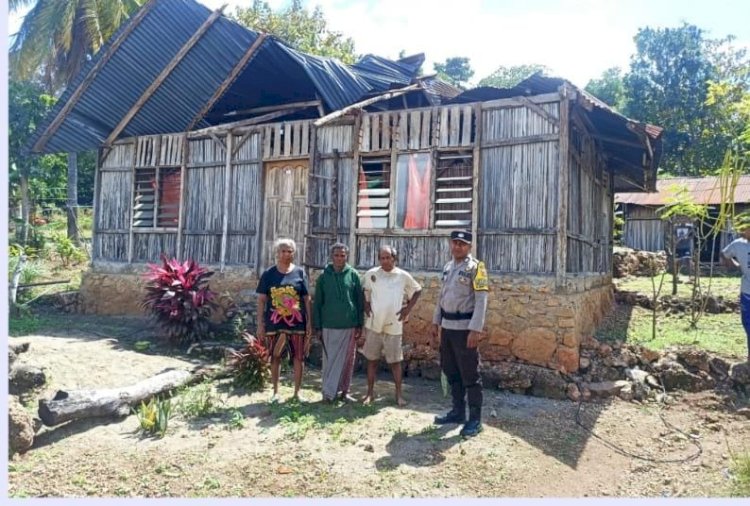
column 338, row 301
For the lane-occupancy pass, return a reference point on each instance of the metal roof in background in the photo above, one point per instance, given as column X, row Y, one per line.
column 703, row 190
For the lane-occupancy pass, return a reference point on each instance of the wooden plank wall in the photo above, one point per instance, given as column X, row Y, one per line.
column 518, row 198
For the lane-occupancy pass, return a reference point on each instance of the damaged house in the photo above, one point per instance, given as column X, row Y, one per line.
column 214, row 140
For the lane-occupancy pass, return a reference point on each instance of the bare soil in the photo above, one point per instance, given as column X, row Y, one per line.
column 531, row 447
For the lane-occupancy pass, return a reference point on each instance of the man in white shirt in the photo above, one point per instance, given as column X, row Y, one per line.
column 385, row 289
column 737, row 255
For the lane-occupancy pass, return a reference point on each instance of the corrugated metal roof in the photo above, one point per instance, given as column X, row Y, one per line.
column 703, row 190
column 276, row 74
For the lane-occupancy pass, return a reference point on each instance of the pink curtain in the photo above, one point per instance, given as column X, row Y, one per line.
column 418, row 195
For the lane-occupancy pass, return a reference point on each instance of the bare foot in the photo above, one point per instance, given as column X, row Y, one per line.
column 401, row 402
column 368, row 400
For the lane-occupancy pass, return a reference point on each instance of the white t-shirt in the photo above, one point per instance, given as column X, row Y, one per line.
column 386, row 292
column 739, row 249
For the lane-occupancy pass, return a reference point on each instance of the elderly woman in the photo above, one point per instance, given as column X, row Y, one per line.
column 284, row 301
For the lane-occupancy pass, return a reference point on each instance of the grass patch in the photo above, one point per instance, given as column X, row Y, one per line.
column 198, row 401
column 301, row 418
column 28, row 323
column 726, row 286
column 718, row 333
column 741, row 476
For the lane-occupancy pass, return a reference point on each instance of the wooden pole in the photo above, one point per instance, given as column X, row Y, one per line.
column 364, row 103
column 562, row 190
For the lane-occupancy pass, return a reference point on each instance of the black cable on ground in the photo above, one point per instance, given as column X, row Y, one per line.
column 626, row 453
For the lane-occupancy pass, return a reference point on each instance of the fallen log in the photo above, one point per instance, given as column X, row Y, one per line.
column 77, row 404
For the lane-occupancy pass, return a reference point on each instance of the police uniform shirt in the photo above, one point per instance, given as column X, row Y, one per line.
column 464, row 290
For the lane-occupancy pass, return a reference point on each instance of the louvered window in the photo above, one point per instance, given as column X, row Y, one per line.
column 156, row 189
column 374, row 193
column 454, row 190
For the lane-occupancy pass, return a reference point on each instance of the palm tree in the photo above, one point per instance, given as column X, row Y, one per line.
column 55, row 40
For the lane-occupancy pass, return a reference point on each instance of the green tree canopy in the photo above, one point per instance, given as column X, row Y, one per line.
column 668, row 85
column 57, row 37
column 508, row 77
column 455, row 70
column 609, row 88
column 304, row 30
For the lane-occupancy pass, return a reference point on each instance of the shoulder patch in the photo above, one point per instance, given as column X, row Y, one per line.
column 481, row 281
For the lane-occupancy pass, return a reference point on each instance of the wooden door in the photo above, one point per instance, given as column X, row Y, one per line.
column 285, row 207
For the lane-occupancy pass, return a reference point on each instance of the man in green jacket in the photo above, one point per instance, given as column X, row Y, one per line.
column 338, row 312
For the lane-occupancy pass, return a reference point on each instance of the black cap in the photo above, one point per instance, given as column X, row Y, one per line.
column 461, row 235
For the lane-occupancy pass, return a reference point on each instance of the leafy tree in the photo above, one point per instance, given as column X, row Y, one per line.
column 53, row 43
column 508, row 77
column 31, row 177
column 609, row 88
column 668, row 84
column 455, row 70
column 304, row 30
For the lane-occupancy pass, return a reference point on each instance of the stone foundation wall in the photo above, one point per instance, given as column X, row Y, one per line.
column 528, row 320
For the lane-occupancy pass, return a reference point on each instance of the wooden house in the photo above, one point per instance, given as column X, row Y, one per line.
column 222, row 139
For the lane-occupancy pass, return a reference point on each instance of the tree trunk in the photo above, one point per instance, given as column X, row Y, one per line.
column 72, row 205
column 23, row 232
column 78, row 404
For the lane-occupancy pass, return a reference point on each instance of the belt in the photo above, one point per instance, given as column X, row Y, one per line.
column 456, row 315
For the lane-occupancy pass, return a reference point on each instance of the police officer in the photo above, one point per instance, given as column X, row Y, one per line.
column 459, row 320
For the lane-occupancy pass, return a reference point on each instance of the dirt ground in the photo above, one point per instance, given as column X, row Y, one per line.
column 531, row 447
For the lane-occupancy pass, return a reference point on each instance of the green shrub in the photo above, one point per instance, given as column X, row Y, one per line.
column 153, row 416
column 199, row 400
column 250, row 367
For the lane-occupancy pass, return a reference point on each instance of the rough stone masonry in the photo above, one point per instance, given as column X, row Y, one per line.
column 528, row 319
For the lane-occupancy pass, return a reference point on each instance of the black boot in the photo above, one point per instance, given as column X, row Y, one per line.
column 474, row 425
column 452, row 416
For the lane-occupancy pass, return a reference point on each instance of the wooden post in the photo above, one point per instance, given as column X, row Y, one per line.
column 476, row 177
column 356, row 139
column 181, row 210
column 562, row 190
column 95, row 203
column 227, row 189
column 136, row 144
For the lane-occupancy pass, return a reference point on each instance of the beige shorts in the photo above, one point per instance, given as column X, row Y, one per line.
column 377, row 345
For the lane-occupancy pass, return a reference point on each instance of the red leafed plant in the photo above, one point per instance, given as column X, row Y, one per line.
column 250, row 366
column 178, row 297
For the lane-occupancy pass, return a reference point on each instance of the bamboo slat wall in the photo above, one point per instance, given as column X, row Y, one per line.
column 519, row 168
column 643, row 229
column 330, row 191
column 515, row 152
column 112, row 223
column 590, row 197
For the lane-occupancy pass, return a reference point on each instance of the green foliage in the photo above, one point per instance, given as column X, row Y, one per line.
column 236, row 419
column 296, row 25
column 668, row 85
column 508, row 77
column 250, row 368
column 455, row 70
column 57, row 38
column 741, row 475
column 153, row 416
column 609, row 88
column 67, row 250
column 197, row 401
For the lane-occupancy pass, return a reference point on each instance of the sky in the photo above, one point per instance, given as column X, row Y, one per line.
column 576, row 39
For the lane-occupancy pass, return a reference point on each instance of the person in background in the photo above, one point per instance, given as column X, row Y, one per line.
column 737, row 255
column 284, row 314
column 338, row 317
column 459, row 321
column 385, row 289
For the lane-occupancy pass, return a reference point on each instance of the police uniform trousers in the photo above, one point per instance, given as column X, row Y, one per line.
column 461, row 366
